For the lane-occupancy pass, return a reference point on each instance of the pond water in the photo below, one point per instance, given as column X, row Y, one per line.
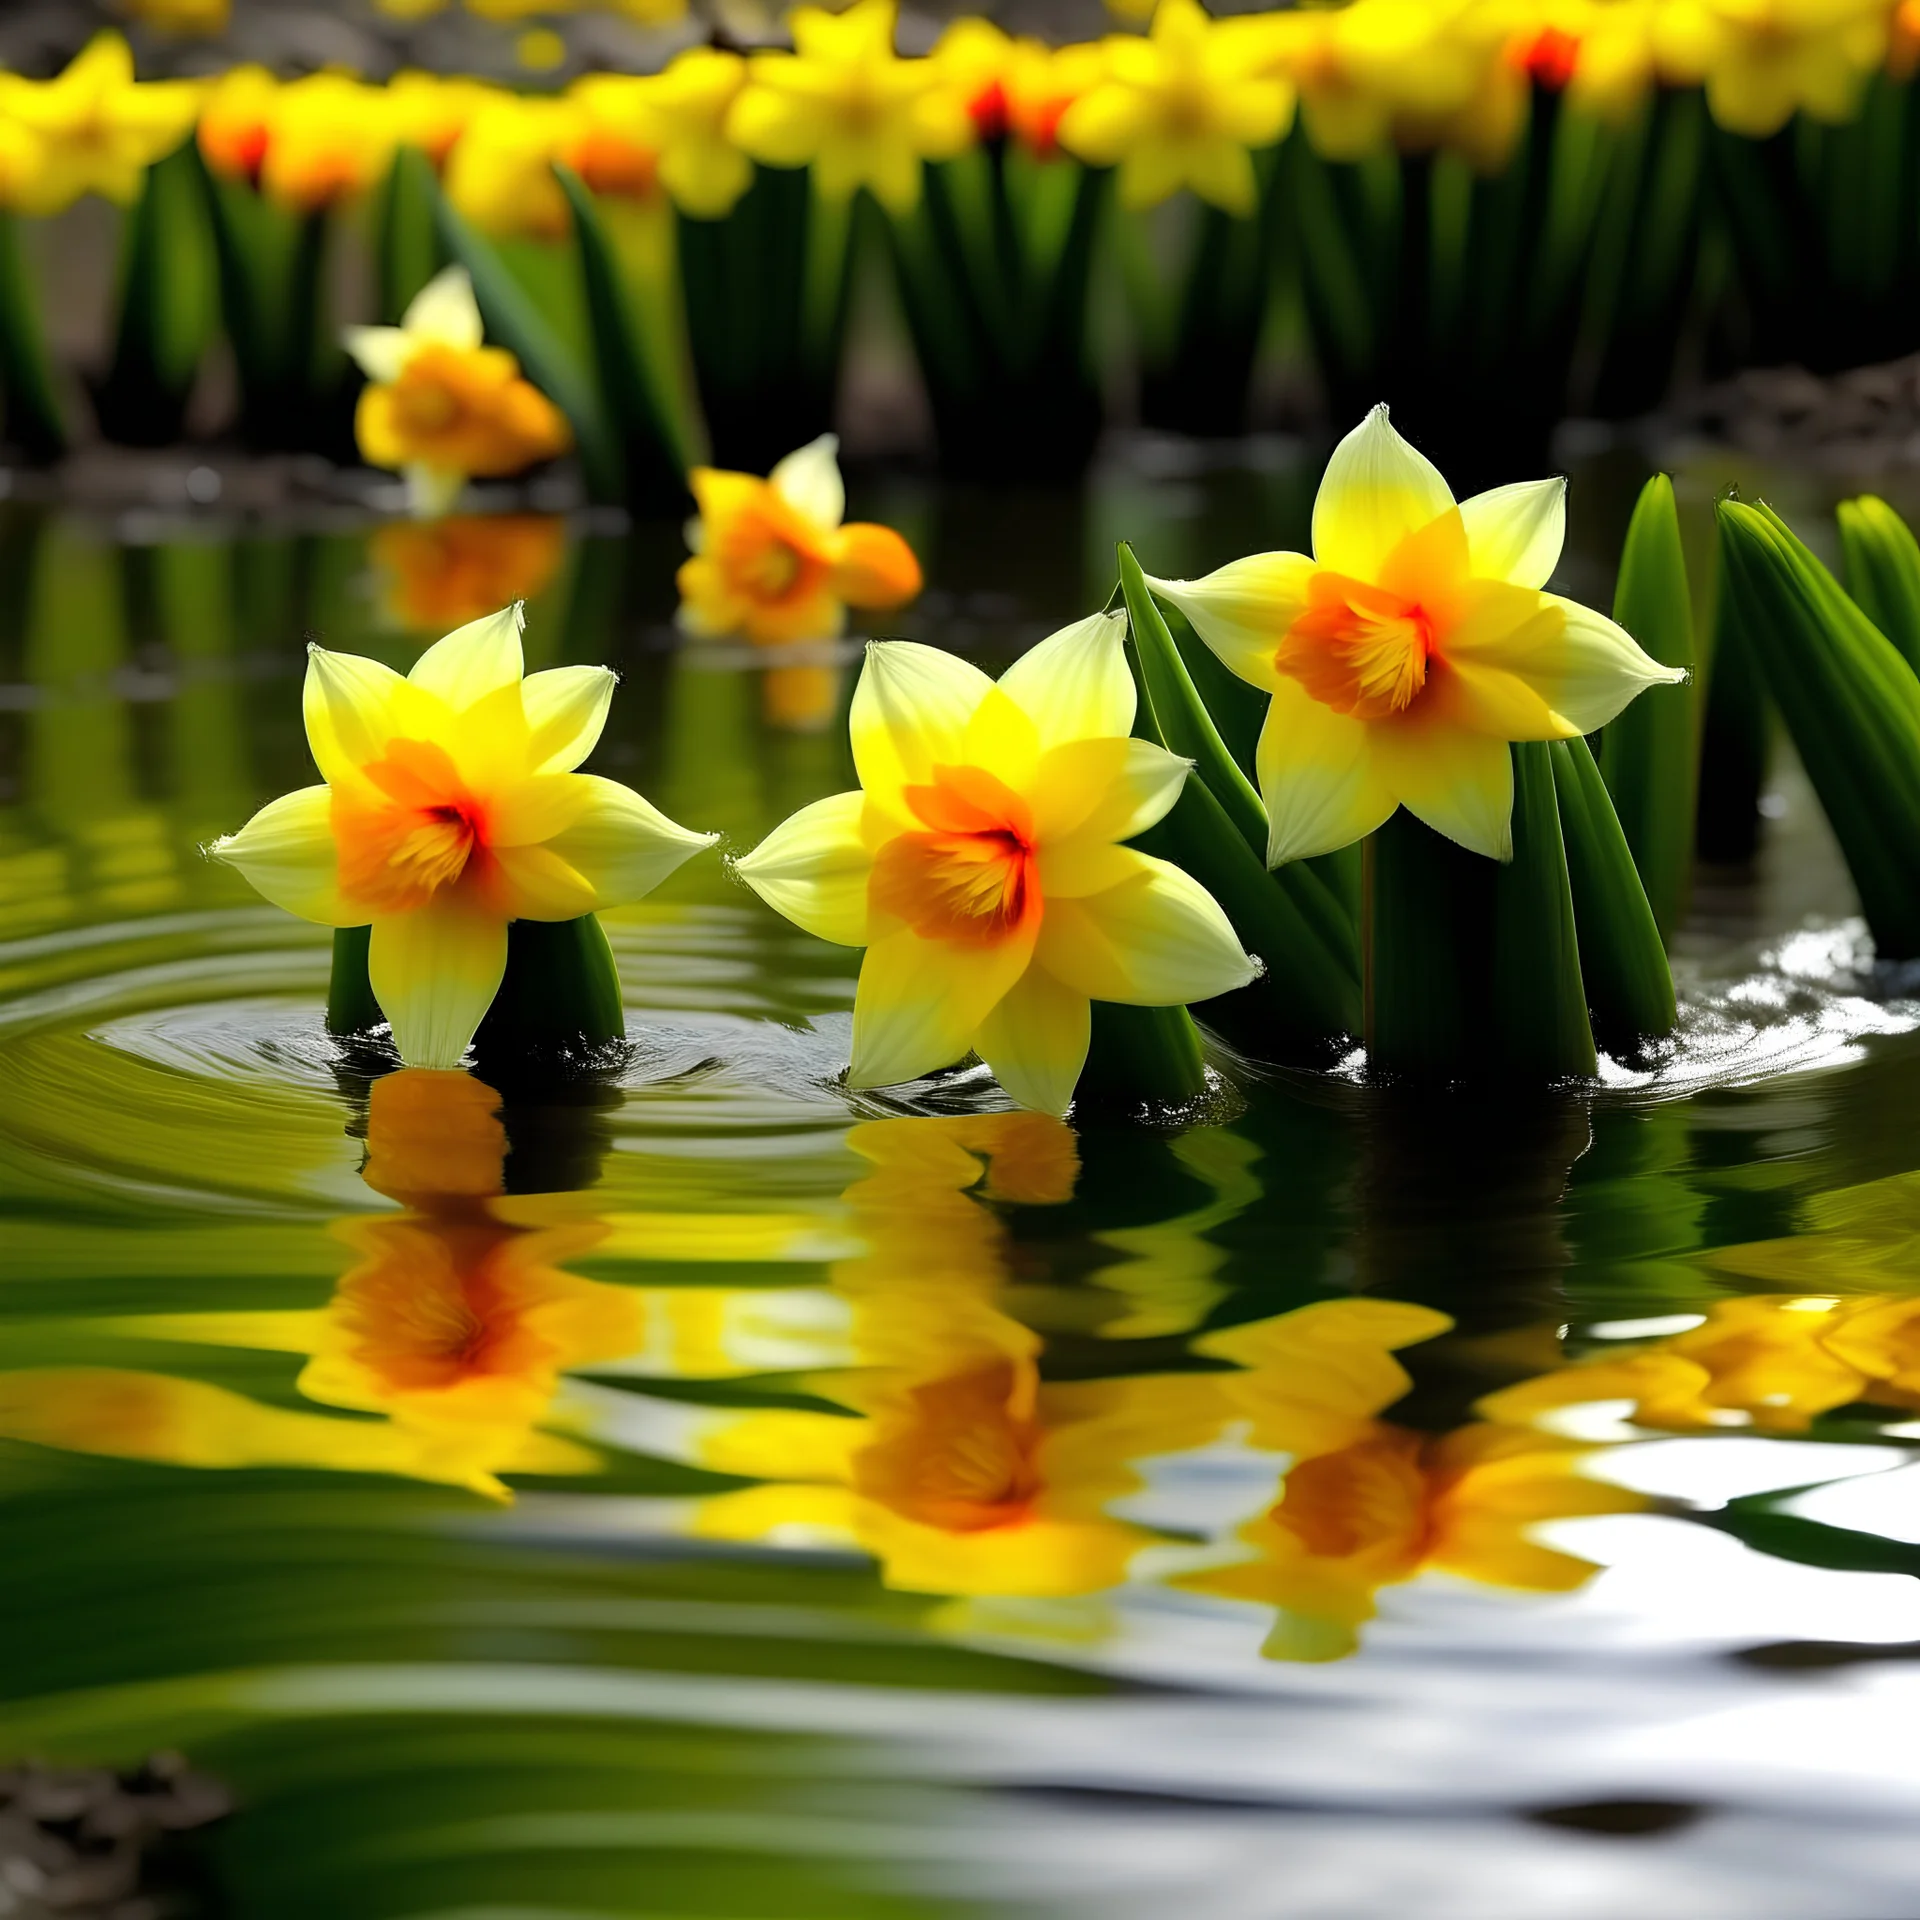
column 693, row 1490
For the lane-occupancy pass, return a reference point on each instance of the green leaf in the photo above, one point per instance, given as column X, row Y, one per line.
column 1473, row 967
column 1622, row 959
column 1851, row 703
column 1883, row 570
column 406, row 244
column 33, row 416
column 518, row 324
column 655, row 465
column 1650, row 753
column 1142, row 1056
column 1811, row 1543
column 1309, row 997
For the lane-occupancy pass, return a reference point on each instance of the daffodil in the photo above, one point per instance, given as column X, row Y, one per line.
column 608, row 142
column 1395, row 1504
column 96, row 128
column 1181, row 108
column 442, row 407
column 981, row 866
column 432, row 111
column 1016, row 87
column 772, row 561
column 329, row 139
column 1764, row 60
column 1409, row 650
column 686, row 105
column 236, row 123
column 844, row 103
column 500, row 175
column 451, row 809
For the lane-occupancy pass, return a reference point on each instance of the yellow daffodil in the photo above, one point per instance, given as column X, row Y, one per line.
column 844, row 103
column 450, row 809
column 236, row 123
column 500, row 171
column 432, row 111
column 1602, row 51
column 1765, row 60
column 438, row 574
column 1181, row 108
column 94, row 128
column 1019, row 88
column 441, row 407
column 1395, row 1504
column 981, row 865
column 686, row 106
column 1407, row 653
column 771, row 560
column 329, row 139
column 609, row 142
column 1427, row 73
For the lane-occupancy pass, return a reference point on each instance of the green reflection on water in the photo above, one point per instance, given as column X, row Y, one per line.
column 524, row 1499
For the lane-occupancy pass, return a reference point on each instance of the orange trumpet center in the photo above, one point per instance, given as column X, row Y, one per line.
column 1359, row 649
column 971, row 877
column 415, row 834
column 769, row 554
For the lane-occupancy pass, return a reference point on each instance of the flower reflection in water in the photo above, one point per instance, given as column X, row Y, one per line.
column 435, row 575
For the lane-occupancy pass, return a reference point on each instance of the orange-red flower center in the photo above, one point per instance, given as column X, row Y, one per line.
column 971, row 877
column 1358, row 648
column 965, row 1459
column 416, row 833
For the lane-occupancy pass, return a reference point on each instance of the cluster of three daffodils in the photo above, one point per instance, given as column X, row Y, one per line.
column 983, row 862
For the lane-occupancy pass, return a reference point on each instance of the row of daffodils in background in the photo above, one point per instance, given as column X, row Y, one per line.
column 632, row 229
column 936, row 1443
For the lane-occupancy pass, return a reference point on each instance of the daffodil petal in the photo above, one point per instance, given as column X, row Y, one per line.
column 445, row 311
column 1036, row 1041
column 379, row 352
column 535, row 883
column 435, row 972
column 530, row 811
column 475, row 660
column 1102, row 790
column 1317, row 777
column 920, row 1003
column 1516, row 533
column 1377, row 490
column 910, row 713
column 1158, row 939
column 353, row 706
column 287, row 854
column 1458, row 781
column 809, row 481
column 1579, row 668
column 566, row 708
column 621, row 844
column 1243, row 610
column 1075, row 684
column 814, row 867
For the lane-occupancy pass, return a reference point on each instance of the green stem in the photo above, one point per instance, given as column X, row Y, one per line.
column 33, row 417
column 1141, row 1056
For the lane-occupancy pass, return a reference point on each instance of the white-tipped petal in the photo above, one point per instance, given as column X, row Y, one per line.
column 1317, row 776
column 1075, row 684
column 353, row 707
column 1243, row 610
column 1157, row 939
column 809, row 481
column 1377, row 489
column 1516, row 533
column 445, row 312
column 910, row 713
column 566, row 708
column 379, row 352
column 287, row 854
column 1036, row 1041
column 475, row 660
column 435, row 972
column 623, row 845
column 814, row 868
